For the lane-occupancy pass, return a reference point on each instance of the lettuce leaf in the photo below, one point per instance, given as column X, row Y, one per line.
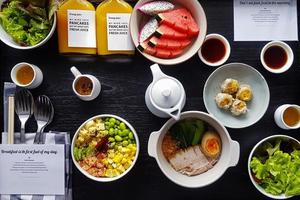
column 280, row 172
column 25, row 21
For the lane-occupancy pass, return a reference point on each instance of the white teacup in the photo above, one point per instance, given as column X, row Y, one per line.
column 227, row 50
column 287, row 49
column 37, row 78
column 96, row 86
column 279, row 116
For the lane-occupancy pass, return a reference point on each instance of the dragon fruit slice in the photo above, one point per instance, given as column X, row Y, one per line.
column 155, row 7
column 148, row 29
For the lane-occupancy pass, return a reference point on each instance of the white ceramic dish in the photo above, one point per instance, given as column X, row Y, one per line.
column 104, row 179
column 229, row 156
column 197, row 12
column 245, row 74
column 259, row 188
column 290, row 56
column 227, row 48
column 6, row 38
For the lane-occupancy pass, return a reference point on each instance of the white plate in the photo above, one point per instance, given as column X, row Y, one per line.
column 245, row 74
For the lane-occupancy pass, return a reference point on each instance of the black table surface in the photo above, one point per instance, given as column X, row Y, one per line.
column 123, row 87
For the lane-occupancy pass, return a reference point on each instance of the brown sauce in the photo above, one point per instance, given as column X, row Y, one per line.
column 84, row 86
column 291, row 116
column 275, row 57
column 213, row 50
column 25, row 75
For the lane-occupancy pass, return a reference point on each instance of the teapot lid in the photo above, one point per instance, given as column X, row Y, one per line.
column 166, row 92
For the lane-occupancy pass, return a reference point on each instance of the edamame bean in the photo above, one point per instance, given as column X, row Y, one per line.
column 118, row 138
column 111, row 131
column 122, row 126
column 130, row 135
column 112, row 120
column 111, row 139
column 125, row 143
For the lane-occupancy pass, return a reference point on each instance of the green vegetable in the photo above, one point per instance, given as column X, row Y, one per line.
column 118, row 138
column 188, row 132
column 279, row 172
column 198, row 132
column 26, row 21
column 81, row 153
column 125, row 143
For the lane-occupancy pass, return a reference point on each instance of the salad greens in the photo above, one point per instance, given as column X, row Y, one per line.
column 277, row 168
column 188, row 132
column 28, row 22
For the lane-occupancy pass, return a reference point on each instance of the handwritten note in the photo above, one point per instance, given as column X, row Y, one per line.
column 32, row 169
column 264, row 20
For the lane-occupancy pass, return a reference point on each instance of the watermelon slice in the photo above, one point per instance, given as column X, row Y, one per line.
column 144, row 47
column 164, row 31
column 179, row 19
column 168, row 43
column 159, row 52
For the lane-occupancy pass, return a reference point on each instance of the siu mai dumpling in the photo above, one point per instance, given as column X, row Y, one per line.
column 244, row 93
column 224, row 100
column 238, row 107
column 230, row 86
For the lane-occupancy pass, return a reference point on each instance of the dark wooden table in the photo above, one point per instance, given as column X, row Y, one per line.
column 124, row 85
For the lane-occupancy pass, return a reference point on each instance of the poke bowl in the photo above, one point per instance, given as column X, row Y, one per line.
column 105, row 148
column 167, row 45
column 273, row 166
column 34, row 38
column 207, row 154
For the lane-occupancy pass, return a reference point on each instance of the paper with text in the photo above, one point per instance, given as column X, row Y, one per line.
column 32, row 169
column 265, row 20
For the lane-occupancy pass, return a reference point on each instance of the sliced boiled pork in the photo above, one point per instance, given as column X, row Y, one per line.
column 191, row 161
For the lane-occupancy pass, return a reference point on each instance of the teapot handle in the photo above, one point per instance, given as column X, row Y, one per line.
column 156, row 72
column 175, row 113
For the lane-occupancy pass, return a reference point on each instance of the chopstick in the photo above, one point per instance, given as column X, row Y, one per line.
column 11, row 119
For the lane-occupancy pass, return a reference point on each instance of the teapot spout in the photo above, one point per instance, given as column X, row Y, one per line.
column 156, row 72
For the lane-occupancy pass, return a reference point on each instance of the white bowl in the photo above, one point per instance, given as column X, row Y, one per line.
column 7, row 39
column 197, row 12
column 290, row 56
column 259, row 188
column 245, row 74
column 229, row 156
column 106, row 179
column 227, row 49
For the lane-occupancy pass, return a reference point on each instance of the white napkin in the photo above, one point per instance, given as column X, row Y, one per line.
column 50, row 138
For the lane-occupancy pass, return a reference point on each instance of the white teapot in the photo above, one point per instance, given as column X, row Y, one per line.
column 165, row 96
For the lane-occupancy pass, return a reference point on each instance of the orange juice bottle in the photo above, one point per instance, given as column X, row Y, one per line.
column 76, row 27
column 113, row 36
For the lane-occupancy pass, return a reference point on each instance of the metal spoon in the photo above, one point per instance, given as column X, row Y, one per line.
column 24, row 109
column 43, row 113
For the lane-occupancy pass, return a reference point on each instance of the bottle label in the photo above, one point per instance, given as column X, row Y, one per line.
column 81, row 28
column 118, row 35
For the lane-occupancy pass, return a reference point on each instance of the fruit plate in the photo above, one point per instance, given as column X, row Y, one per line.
column 245, row 74
column 138, row 19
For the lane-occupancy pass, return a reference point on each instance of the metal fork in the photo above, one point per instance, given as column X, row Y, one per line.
column 43, row 113
column 24, row 109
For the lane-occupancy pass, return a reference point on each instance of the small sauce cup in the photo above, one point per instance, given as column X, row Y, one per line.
column 215, row 50
column 287, row 113
column 32, row 77
column 288, row 61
